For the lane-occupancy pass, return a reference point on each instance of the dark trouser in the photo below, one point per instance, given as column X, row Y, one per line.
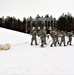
column 53, row 42
column 43, row 41
column 70, row 40
column 57, row 40
column 62, row 41
column 34, row 39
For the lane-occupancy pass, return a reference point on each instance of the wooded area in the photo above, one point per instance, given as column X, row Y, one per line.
column 65, row 22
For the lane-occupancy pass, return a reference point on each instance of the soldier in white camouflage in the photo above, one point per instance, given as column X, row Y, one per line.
column 43, row 37
column 57, row 36
column 45, row 32
column 39, row 32
column 70, row 34
column 53, row 35
column 62, row 38
column 34, row 38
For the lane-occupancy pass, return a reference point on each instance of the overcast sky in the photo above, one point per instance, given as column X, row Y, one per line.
column 26, row 8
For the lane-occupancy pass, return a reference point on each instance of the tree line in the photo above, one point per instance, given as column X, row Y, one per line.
column 65, row 22
column 13, row 23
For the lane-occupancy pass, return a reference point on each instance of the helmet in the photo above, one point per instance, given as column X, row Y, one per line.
column 44, row 27
column 38, row 27
column 33, row 28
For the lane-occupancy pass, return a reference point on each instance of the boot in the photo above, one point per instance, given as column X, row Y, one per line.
column 67, row 43
column 50, row 45
column 70, row 44
column 36, row 44
column 42, row 46
column 31, row 44
column 64, row 45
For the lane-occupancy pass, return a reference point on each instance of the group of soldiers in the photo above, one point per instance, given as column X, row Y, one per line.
column 55, row 35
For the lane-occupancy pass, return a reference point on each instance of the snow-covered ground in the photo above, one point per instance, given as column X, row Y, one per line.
column 22, row 58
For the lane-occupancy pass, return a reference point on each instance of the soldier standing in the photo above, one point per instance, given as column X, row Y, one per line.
column 69, row 34
column 44, row 31
column 39, row 32
column 53, row 35
column 33, row 33
column 43, row 37
column 57, row 36
column 62, row 38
